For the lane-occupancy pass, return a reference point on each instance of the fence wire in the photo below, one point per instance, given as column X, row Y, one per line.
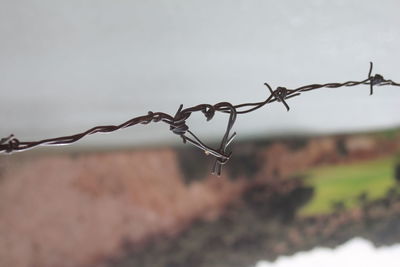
column 177, row 123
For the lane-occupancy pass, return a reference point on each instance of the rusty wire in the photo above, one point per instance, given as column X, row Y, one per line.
column 179, row 127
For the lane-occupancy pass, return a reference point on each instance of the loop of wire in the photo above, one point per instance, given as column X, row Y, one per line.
column 178, row 122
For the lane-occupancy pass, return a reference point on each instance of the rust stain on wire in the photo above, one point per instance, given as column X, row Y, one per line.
column 179, row 127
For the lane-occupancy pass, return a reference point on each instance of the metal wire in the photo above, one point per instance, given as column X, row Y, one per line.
column 179, row 127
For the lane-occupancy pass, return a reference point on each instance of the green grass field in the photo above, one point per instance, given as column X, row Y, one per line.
column 346, row 182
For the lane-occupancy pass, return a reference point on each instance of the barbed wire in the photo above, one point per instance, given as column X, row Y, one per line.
column 177, row 123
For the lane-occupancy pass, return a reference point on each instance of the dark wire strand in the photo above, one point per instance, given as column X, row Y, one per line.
column 179, row 127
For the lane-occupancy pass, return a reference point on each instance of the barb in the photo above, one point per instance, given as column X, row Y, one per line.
column 178, row 122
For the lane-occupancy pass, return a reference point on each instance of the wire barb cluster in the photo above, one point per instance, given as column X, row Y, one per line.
column 177, row 123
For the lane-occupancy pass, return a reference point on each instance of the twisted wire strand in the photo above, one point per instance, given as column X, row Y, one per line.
column 179, row 127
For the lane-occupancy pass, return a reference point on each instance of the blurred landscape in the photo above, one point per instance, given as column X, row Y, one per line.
column 162, row 207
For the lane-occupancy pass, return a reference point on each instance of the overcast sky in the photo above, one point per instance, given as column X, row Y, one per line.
column 66, row 66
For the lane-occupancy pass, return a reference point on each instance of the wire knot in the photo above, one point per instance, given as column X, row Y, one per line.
column 280, row 94
column 179, row 128
column 9, row 144
column 377, row 79
column 178, row 125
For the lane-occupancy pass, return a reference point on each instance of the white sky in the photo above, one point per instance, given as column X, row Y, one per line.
column 66, row 66
column 354, row 253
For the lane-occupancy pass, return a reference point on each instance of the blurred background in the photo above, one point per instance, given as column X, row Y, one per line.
column 309, row 186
